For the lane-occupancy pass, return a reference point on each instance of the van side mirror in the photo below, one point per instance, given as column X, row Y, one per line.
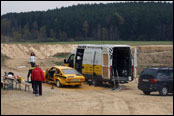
column 65, row 61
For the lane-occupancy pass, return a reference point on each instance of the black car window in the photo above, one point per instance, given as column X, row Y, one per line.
column 148, row 73
column 163, row 73
column 171, row 73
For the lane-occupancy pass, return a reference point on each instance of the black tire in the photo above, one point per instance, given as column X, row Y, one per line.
column 58, row 84
column 89, row 83
column 77, row 85
column 163, row 91
column 111, row 82
column 146, row 92
column 11, row 73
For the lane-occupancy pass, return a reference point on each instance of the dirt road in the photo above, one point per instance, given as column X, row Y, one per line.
column 86, row 100
column 71, row 100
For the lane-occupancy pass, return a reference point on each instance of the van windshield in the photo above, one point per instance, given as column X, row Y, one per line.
column 70, row 71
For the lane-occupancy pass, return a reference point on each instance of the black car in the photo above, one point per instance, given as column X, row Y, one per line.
column 156, row 79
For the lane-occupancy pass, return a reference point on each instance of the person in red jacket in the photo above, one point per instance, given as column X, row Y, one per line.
column 37, row 77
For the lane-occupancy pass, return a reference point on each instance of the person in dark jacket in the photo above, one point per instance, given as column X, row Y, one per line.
column 37, row 78
column 28, row 76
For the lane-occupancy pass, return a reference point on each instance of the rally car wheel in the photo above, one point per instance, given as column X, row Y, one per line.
column 58, row 83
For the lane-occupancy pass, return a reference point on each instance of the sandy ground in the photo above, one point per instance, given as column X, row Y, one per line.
column 85, row 100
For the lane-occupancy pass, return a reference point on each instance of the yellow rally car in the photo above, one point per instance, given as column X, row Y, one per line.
column 62, row 75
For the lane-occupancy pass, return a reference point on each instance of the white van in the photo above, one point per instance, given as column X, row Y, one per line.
column 102, row 62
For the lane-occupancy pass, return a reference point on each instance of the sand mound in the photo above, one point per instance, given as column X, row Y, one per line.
column 148, row 55
column 42, row 51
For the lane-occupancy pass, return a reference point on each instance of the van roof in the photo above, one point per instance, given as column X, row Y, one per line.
column 101, row 46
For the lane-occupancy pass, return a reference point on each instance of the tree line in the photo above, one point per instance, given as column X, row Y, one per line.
column 126, row 21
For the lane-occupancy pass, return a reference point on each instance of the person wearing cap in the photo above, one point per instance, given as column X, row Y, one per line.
column 37, row 78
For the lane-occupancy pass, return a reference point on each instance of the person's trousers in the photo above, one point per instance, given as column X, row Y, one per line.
column 32, row 83
column 37, row 87
column 32, row 64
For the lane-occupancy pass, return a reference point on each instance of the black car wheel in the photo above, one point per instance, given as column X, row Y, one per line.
column 163, row 91
column 146, row 92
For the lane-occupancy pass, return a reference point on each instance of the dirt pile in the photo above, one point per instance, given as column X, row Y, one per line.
column 153, row 56
column 148, row 55
column 42, row 51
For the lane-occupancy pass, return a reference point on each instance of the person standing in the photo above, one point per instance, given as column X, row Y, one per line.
column 37, row 78
column 29, row 73
column 32, row 59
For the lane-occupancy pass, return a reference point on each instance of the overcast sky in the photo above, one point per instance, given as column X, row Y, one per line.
column 26, row 6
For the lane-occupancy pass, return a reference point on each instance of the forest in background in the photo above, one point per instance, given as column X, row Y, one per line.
column 126, row 21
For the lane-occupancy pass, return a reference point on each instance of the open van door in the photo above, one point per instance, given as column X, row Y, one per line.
column 121, row 64
column 79, row 60
column 105, row 64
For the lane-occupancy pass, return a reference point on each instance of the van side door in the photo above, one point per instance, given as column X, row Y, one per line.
column 105, row 64
column 79, row 60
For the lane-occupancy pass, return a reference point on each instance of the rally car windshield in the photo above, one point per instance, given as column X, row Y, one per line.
column 69, row 71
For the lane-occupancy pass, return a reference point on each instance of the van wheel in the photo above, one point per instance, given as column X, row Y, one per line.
column 146, row 92
column 163, row 91
column 58, row 84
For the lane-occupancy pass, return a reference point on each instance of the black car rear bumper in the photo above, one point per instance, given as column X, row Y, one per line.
column 149, row 87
